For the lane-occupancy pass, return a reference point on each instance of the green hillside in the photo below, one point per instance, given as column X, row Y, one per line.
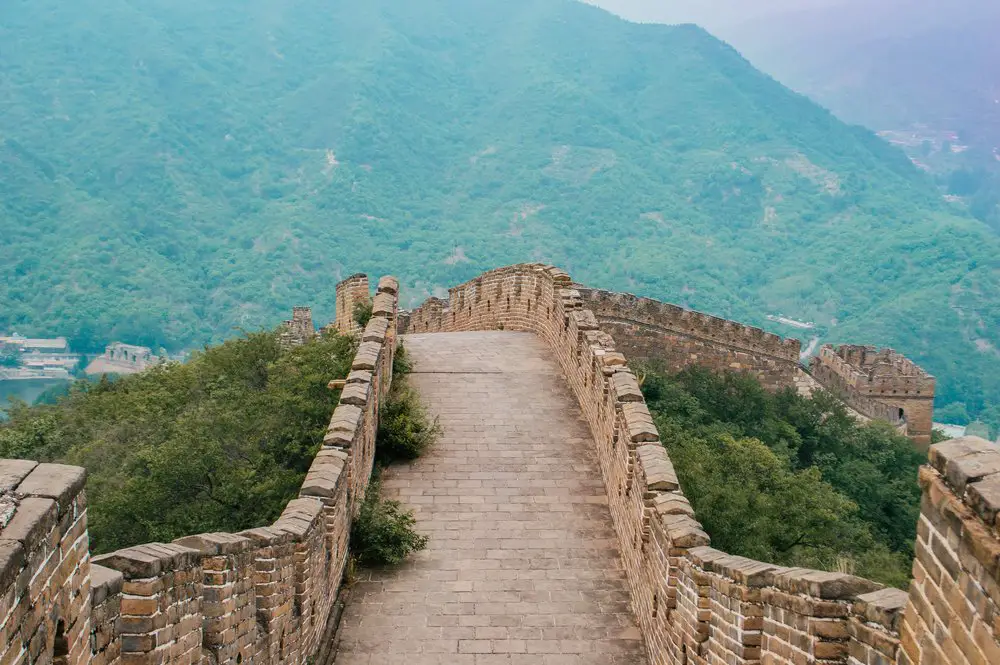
column 172, row 170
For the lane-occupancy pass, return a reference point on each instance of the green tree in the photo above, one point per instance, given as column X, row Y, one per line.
column 787, row 479
column 219, row 443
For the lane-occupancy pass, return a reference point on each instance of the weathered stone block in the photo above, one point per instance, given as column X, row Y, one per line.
column 34, row 520
column 215, row 544
column 626, row 387
column 59, row 482
column 13, row 471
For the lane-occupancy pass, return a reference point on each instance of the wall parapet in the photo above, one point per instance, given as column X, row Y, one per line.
column 647, row 329
column 263, row 596
column 694, row 604
column 956, row 574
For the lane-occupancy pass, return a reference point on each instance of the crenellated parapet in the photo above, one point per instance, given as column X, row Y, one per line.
column 263, row 596
column 299, row 330
column 694, row 604
column 881, row 384
column 642, row 328
column 648, row 329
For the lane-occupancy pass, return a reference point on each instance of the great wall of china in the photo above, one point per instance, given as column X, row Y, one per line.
column 267, row 595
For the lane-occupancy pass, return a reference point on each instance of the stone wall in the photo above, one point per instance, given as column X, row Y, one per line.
column 953, row 613
column 45, row 572
column 262, row 596
column 837, row 382
column 880, row 384
column 695, row 604
column 647, row 329
column 299, row 329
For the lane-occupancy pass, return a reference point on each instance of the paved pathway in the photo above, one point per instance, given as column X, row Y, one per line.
column 522, row 565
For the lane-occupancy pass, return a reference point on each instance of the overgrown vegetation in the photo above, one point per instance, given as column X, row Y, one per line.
column 383, row 533
column 220, row 443
column 405, row 430
column 787, row 479
column 171, row 217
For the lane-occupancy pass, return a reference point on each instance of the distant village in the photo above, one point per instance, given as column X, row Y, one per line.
column 51, row 359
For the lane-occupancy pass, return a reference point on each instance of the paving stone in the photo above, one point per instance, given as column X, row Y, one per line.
column 522, row 564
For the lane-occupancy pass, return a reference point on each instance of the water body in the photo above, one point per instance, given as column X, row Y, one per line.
column 27, row 391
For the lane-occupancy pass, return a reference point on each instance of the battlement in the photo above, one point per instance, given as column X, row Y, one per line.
column 879, row 382
column 299, row 329
column 877, row 371
column 647, row 329
column 265, row 595
column 350, row 293
column 645, row 311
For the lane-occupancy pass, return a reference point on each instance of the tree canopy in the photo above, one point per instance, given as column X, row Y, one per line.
column 788, row 479
column 220, row 443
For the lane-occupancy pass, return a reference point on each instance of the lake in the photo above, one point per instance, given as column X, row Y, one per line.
column 24, row 390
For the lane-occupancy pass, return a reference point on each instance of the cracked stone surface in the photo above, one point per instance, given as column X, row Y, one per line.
column 522, row 564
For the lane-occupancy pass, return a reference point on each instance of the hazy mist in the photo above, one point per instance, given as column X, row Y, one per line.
column 715, row 15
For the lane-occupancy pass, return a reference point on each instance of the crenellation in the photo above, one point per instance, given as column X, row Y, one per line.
column 299, row 330
column 880, row 384
column 352, row 292
column 647, row 329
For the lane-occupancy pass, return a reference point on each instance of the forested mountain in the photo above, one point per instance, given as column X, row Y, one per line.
column 170, row 170
column 924, row 74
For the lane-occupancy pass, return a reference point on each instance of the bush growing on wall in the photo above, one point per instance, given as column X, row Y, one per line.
column 383, row 532
column 405, row 429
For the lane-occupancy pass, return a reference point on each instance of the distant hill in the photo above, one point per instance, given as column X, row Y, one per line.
column 171, row 170
column 890, row 64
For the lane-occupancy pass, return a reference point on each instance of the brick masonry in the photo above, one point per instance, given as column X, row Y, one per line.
column 350, row 293
column 646, row 329
column 880, row 384
column 262, row 596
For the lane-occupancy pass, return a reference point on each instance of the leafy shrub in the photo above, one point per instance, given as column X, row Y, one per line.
column 363, row 312
column 401, row 364
column 405, row 429
column 383, row 533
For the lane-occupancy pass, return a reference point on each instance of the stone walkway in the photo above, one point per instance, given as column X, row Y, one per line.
column 522, row 565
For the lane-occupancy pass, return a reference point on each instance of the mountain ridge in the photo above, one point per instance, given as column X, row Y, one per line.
column 216, row 167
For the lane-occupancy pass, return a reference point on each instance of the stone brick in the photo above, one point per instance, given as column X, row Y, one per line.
column 58, row 482
column 13, row 471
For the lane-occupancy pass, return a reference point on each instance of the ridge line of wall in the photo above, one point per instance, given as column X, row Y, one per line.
column 695, row 604
column 677, row 337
